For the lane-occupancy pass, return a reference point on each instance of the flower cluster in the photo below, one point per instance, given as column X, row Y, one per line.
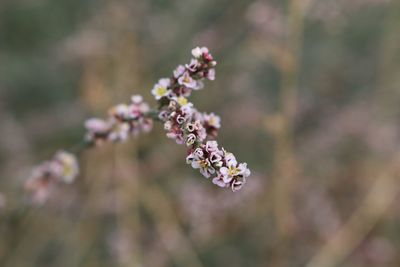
column 186, row 78
column 63, row 167
column 212, row 161
column 186, row 125
column 124, row 120
column 182, row 121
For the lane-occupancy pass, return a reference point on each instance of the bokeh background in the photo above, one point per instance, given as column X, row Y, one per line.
column 309, row 95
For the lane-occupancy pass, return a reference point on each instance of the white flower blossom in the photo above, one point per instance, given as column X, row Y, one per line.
column 188, row 81
column 68, row 164
column 198, row 52
column 161, row 88
column 179, row 71
column 190, row 139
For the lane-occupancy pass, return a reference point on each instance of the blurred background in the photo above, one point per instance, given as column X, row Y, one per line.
column 309, row 96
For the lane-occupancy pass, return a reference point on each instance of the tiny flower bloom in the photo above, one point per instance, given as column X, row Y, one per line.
column 218, row 181
column 187, row 81
column 190, row 139
column 195, row 155
column 215, row 158
column 201, row 134
column 198, row 152
column 180, row 119
column 232, row 170
column 198, row 52
column 120, row 111
column 39, row 188
column 161, row 88
column 190, row 127
column 179, row 71
column 193, row 65
column 137, row 99
column 212, row 120
column 146, row 124
column 120, row 132
column 211, row 146
column 182, row 101
column 163, row 115
column 211, row 74
column 187, row 110
column 199, row 85
column 204, row 165
column 177, row 135
column 97, row 125
column 230, row 159
column 168, row 125
column 68, row 166
column 238, row 184
column 190, row 158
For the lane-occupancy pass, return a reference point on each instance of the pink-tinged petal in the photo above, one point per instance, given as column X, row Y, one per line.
column 237, row 185
column 165, row 82
column 199, row 152
column 179, row 71
column 205, row 173
column 230, row 160
column 219, row 182
column 197, row 52
column 196, row 85
column 227, row 178
column 196, row 164
column 242, row 168
column 137, row 99
column 224, row 171
column 211, row 74
column 97, row 125
column 247, row 173
column 190, row 158
column 211, row 146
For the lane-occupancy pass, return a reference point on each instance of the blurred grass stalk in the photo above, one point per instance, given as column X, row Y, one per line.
column 285, row 163
column 385, row 189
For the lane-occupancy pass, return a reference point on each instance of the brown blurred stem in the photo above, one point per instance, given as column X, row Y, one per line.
column 285, row 161
column 376, row 203
column 386, row 187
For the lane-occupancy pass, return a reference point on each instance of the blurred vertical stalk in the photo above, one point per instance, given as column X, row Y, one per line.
column 385, row 188
column 168, row 226
column 127, row 213
column 285, row 160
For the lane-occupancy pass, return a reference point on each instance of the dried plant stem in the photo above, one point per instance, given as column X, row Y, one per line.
column 127, row 200
column 377, row 201
column 285, row 161
column 175, row 241
column 385, row 189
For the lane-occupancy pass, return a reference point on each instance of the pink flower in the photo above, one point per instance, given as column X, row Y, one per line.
column 68, row 166
column 193, row 65
column 120, row 132
column 190, row 139
column 188, row 81
column 204, row 165
column 97, row 125
column 211, row 146
column 219, row 181
column 179, row 71
column 232, row 169
column 198, row 52
column 161, row 88
column 211, row 74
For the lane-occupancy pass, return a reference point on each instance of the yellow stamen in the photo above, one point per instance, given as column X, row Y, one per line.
column 203, row 163
column 161, row 91
column 182, row 101
column 233, row 171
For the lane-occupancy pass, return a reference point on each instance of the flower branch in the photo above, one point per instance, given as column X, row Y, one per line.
column 182, row 122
